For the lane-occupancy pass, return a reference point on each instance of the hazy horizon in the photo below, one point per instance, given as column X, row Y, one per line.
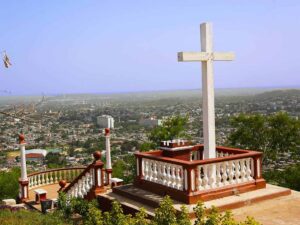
column 217, row 91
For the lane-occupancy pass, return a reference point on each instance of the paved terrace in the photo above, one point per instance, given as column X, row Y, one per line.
column 51, row 194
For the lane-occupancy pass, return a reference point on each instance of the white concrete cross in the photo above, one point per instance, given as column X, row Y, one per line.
column 206, row 57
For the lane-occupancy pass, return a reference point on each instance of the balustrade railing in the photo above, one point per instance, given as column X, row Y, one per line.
column 231, row 168
column 221, row 174
column 168, row 174
column 53, row 176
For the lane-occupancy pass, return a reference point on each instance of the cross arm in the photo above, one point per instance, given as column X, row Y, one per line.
column 204, row 56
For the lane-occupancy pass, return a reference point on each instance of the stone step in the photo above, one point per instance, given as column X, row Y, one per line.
column 129, row 205
column 135, row 198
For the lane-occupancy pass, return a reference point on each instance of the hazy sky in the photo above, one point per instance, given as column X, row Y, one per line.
column 60, row 46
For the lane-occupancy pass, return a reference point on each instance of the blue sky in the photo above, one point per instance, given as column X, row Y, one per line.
column 67, row 46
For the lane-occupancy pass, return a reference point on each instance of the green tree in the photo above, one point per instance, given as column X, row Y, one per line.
column 290, row 177
column 270, row 134
column 172, row 128
column 9, row 185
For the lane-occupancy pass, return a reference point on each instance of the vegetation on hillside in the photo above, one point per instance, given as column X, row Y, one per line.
column 290, row 177
column 273, row 134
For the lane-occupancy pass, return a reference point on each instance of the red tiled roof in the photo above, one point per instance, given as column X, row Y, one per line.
column 34, row 155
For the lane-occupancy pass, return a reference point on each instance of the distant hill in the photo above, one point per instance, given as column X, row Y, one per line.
column 279, row 93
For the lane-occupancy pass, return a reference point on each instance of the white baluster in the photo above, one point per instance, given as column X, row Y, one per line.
column 48, row 177
column 185, row 180
column 169, row 175
column 205, row 178
column 243, row 170
column 224, row 173
column 145, row 170
column 200, row 180
column 173, row 177
column 211, row 175
column 34, row 181
column 178, row 178
column 43, row 178
column 249, row 172
column 218, row 175
column 154, row 171
column 39, row 179
column 165, row 174
column 237, row 171
column 230, row 172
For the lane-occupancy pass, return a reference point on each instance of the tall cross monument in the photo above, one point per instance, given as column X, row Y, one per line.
column 206, row 57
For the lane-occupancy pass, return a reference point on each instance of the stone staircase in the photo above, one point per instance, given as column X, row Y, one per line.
column 133, row 198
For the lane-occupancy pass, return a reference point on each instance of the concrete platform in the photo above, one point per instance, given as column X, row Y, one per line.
column 283, row 210
column 52, row 193
column 134, row 198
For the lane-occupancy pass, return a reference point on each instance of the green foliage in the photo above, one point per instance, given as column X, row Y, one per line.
column 146, row 146
column 119, row 167
column 55, row 160
column 213, row 217
column 172, row 128
column 9, row 183
column 25, row 217
column 269, row 134
column 250, row 221
column 140, row 218
column 128, row 146
column 290, row 177
column 64, row 205
column 125, row 168
column 94, row 216
column 183, row 216
column 200, row 213
column 165, row 214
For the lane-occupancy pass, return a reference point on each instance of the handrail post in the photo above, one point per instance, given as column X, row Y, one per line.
column 98, row 177
column 139, row 169
column 191, row 181
column 257, row 166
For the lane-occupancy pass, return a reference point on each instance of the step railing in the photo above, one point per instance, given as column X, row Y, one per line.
column 89, row 182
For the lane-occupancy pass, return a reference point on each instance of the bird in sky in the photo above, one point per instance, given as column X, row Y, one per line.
column 6, row 60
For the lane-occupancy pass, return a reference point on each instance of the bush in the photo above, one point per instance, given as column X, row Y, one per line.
column 91, row 215
column 25, row 217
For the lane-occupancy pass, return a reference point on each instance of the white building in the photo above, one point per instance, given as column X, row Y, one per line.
column 106, row 121
column 150, row 122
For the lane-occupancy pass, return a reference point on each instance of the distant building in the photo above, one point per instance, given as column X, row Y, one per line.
column 36, row 155
column 150, row 122
column 106, row 121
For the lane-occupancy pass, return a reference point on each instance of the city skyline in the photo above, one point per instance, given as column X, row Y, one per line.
column 101, row 47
